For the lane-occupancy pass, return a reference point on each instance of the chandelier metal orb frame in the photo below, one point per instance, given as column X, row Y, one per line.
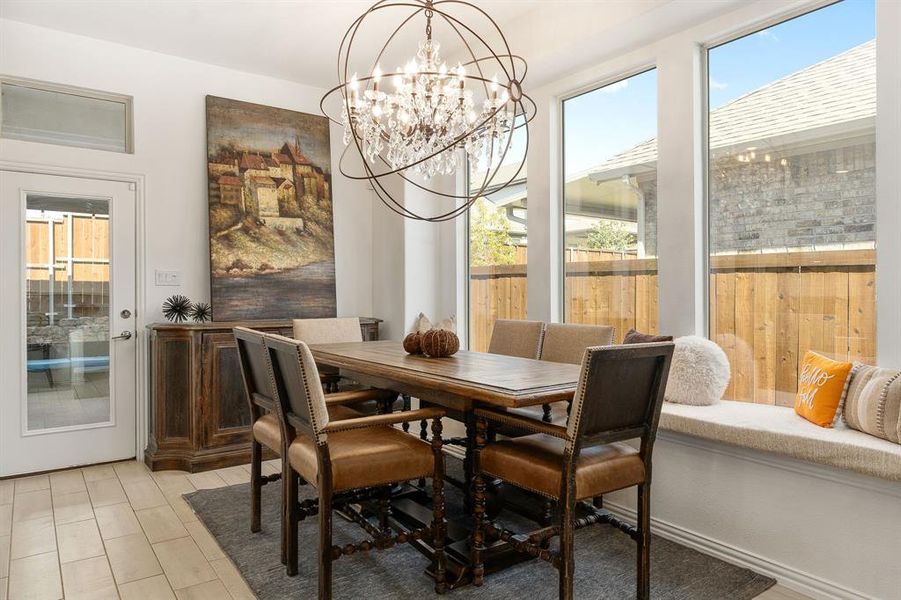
column 433, row 117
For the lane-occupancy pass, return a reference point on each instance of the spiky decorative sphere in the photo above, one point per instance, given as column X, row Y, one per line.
column 439, row 343
column 177, row 308
column 413, row 343
column 201, row 312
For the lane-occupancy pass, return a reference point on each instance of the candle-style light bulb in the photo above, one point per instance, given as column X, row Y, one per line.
column 354, row 86
column 376, row 77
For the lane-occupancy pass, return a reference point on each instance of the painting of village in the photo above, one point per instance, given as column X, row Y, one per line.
column 272, row 249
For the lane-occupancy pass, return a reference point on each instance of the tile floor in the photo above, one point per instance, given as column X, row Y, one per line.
column 119, row 531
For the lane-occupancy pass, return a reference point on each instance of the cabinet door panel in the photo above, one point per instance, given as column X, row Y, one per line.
column 226, row 415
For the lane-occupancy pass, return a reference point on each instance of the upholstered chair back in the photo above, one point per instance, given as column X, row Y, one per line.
column 252, row 360
column 620, row 393
column 516, row 338
column 297, row 390
column 328, row 331
column 566, row 342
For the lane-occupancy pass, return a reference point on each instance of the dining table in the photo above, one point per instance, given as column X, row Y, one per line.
column 458, row 383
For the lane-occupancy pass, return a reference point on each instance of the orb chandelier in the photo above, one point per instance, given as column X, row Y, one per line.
column 429, row 118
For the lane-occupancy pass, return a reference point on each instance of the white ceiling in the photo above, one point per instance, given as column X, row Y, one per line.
column 298, row 40
column 290, row 39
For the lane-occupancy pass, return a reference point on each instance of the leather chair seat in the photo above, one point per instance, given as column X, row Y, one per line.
column 365, row 457
column 266, row 429
column 533, row 462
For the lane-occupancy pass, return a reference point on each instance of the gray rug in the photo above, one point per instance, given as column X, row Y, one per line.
column 605, row 561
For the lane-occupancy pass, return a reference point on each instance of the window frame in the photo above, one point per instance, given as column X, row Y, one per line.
column 71, row 90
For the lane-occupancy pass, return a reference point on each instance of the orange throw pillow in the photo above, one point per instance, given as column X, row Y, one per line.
column 821, row 388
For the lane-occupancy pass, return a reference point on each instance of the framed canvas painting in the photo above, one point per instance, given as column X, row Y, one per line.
column 272, row 247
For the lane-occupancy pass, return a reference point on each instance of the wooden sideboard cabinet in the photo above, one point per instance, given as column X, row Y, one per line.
column 199, row 418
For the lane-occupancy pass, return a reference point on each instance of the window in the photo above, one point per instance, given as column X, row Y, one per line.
column 497, row 245
column 38, row 112
column 610, row 205
column 791, row 197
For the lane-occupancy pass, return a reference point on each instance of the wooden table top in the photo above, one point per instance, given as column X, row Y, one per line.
column 489, row 378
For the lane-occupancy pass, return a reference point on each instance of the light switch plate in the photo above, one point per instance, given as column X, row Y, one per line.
column 167, row 278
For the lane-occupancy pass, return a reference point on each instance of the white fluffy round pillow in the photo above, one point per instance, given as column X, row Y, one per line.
column 699, row 373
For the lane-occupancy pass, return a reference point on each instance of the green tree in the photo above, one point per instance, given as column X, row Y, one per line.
column 489, row 236
column 610, row 235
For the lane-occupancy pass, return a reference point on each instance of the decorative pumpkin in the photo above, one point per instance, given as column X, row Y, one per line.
column 440, row 343
column 413, row 343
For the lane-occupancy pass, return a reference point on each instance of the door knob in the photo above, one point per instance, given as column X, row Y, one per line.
column 125, row 335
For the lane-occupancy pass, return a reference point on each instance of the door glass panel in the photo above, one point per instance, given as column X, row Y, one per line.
column 67, row 293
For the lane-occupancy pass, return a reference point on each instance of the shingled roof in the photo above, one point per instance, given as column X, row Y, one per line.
column 832, row 93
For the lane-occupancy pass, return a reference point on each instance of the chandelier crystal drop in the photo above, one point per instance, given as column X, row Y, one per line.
column 428, row 118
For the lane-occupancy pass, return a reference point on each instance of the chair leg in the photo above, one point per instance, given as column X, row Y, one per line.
column 384, row 507
column 598, row 502
column 424, row 436
column 405, row 408
column 256, row 485
column 439, row 523
column 546, row 413
column 325, row 544
column 286, row 483
column 644, row 541
column 567, row 564
column 291, row 519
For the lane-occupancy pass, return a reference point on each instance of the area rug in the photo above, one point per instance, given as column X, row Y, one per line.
column 605, row 561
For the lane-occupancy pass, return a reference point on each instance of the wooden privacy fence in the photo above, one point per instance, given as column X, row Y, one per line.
column 75, row 248
column 766, row 310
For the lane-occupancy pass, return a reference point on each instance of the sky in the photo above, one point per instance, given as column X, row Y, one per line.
column 607, row 121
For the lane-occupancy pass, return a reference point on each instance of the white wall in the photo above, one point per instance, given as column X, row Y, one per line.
column 170, row 151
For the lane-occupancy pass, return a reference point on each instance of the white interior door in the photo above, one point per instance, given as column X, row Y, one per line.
column 67, row 322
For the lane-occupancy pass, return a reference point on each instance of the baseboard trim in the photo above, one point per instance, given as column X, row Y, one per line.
column 799, row 581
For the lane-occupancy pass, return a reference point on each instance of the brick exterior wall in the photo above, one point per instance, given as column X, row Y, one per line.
column 806, row 203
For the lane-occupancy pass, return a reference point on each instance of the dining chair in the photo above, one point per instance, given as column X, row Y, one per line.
column 347, row 461
column 516, row 338
column 328, row 331
column 566, row 343
column 265, row 428
column 618, row 398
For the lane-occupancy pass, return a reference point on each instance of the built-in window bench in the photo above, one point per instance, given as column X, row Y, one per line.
column 778, row 429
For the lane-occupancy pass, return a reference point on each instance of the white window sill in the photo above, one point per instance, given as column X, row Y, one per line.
column 777, row 429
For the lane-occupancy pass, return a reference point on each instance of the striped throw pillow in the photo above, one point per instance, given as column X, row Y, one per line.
column 873, row 404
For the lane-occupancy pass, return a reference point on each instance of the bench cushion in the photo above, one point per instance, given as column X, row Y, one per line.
column 773, row 429
column 778, row 429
